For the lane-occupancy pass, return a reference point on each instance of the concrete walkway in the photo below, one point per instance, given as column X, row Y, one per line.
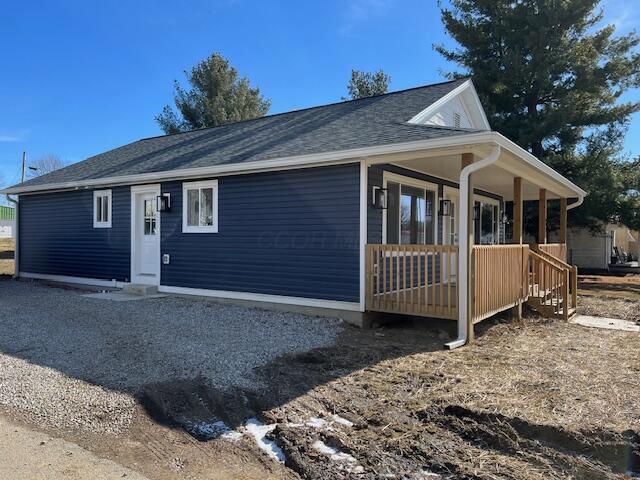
column 32, row 455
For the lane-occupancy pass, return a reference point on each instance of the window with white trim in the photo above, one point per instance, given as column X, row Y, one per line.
column 200, row 207
column 102, row 209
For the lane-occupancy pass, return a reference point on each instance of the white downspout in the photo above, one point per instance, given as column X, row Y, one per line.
column 16, row 257
column 464, row 322
column 577, row 204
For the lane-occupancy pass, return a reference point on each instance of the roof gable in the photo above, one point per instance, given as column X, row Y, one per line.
column 461, row 104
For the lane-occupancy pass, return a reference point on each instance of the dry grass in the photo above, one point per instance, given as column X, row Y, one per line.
column 6, row 256
column 611, row 307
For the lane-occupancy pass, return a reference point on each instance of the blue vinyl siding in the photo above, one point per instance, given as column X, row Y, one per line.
column 292, row 233
column 57, row 235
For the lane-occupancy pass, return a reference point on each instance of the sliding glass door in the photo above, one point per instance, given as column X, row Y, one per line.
column 410, row 213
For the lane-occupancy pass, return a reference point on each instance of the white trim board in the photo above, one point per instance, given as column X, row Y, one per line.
column 77, row 280
column 262, row 297
column 203, row 292
column 364, row 210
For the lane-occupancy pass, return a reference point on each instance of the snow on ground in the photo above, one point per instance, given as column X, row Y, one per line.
column 338, row 456
column 259, row 431
column 216, row 428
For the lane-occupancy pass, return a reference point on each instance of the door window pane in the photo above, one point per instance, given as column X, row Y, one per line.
column 149, row 211
column 413, row 214
column 486, row 225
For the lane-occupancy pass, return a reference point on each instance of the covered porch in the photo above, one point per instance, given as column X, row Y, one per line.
column 440, row 242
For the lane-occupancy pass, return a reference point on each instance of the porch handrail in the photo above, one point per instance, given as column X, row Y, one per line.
column 556, row 250
column 553, row 258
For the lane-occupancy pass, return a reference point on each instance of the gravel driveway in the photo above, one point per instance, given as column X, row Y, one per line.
column 76, row 362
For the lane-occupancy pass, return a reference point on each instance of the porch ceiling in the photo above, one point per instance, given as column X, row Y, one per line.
column 496, row 178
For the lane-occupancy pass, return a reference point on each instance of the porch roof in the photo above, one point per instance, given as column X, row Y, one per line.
column 443, row 160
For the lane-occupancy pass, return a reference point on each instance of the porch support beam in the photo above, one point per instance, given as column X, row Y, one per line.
column 517, row 210
column 542, row 216
column 563, row 220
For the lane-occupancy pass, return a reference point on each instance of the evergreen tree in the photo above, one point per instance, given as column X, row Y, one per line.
column 551, row 79
column 367, row 84
column 545, row 71
column 216, row 96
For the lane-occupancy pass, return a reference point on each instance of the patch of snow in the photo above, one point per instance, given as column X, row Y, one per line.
column 342, row 421
column 315, row 422
column 338, row 456
column 231, row 436
column 259, row 431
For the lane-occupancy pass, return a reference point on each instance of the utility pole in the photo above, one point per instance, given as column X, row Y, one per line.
column 24, row 164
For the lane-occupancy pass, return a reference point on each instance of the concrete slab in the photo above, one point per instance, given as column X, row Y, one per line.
column 607, row 323
column 121, row 296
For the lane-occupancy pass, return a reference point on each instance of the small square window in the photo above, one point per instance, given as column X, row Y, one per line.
column 102, row 209
column 200, row 207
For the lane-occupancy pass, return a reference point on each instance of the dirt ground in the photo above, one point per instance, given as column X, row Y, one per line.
column 535, row 399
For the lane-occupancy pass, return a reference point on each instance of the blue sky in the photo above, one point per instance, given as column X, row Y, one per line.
column 78, row 77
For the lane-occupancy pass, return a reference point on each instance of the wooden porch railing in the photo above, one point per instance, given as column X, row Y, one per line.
column 412, row 279
column 422, row 280
column 558, row 250
column 500, row 277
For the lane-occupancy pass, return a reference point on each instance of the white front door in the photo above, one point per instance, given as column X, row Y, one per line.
column 145, row 235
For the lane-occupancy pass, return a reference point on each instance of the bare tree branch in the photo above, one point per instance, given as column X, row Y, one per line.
column 43, row 165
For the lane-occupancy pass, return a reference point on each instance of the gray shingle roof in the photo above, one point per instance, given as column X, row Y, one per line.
column 379, row 120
